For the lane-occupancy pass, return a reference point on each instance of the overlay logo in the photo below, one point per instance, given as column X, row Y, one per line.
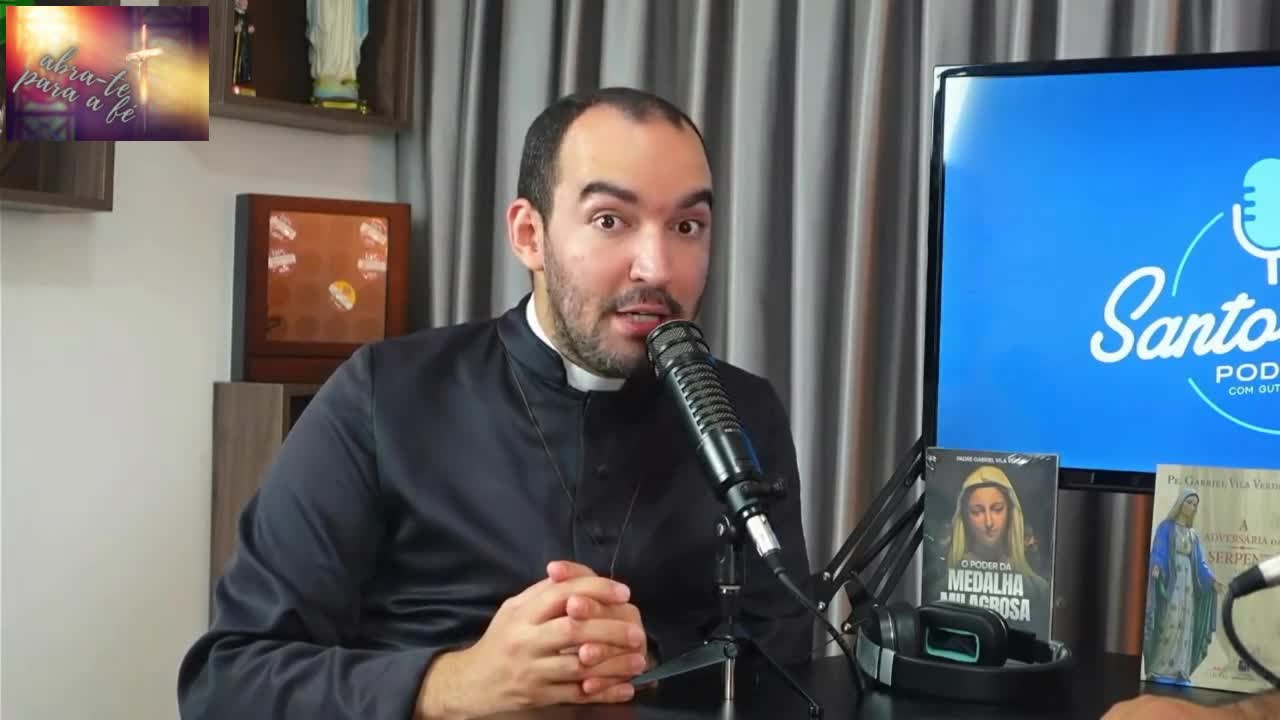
column 90, row 72
column 1218, row 347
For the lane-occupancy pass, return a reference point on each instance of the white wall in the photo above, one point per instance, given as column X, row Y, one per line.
column 115, row 326
column 1, row 489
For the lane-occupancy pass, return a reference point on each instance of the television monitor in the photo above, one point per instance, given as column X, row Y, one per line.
column 1102, row 284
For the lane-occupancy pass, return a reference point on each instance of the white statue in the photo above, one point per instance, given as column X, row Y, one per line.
column 336, row 29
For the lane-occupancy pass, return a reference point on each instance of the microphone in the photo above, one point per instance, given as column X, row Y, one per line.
column 1263, row 575
column 687, row 370
column 1259, row 231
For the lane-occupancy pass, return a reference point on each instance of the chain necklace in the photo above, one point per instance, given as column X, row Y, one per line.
column 555, row 467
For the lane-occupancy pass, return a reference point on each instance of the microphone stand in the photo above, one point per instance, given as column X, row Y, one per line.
column 862, row 567
column 729, row 639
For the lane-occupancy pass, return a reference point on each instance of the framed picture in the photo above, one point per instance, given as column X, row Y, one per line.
column 315, row 279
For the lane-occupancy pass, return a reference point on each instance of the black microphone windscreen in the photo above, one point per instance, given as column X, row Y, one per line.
column 678, row 349
column 673, row 341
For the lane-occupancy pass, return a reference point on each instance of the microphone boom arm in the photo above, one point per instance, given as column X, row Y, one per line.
column 854, row 567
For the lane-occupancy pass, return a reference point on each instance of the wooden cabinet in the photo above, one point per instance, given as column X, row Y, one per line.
column 250, row 422
column 282, row 71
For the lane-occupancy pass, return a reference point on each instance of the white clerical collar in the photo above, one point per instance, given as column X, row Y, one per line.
column 579, row 378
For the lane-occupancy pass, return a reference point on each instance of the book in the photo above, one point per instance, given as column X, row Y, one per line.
column 989, row 521
column 1208, row 525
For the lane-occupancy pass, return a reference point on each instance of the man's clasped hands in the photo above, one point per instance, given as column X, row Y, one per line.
column 572, row 637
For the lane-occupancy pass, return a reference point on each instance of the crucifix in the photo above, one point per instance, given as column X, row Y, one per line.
column 141, row 56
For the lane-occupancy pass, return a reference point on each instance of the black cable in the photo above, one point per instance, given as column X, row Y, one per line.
column 795, row 590
column 1229, row 625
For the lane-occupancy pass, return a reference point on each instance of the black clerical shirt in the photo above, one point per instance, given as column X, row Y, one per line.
column 414, row 495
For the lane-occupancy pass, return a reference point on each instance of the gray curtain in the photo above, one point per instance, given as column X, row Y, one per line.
column 817, row 114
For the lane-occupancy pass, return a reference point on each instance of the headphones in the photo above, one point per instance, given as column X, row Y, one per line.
column 959, row 652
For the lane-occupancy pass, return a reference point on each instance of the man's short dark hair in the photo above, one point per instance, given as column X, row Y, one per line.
column 539, row 159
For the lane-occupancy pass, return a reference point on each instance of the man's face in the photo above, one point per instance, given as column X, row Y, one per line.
column 628, row 242
column 987, row 515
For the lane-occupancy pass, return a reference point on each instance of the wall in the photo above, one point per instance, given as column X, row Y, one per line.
column 115, row 326
column 1, row 483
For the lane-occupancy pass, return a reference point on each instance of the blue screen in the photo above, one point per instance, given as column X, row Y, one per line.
column 1098, row 297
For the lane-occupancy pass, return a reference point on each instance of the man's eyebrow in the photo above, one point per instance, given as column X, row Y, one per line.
column 603, row 187
column 697, row 197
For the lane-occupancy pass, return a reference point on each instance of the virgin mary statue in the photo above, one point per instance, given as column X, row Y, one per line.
column 1182, row 597
column 336, row 29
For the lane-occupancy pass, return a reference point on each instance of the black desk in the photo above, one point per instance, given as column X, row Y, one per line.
column 1101, row 683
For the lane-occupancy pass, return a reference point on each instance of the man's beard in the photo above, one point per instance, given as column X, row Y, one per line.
column 585, row 346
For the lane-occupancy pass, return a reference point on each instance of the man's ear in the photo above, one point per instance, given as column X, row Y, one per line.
column 526, row 233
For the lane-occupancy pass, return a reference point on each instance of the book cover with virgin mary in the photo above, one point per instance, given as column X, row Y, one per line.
column 1182, row 596
column 989, row 533
column 1208, row 525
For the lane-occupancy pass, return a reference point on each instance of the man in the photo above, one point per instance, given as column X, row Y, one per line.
column 508, row 513
column 1263, row 706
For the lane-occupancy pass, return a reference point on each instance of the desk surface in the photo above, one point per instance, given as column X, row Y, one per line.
column 1102, row 682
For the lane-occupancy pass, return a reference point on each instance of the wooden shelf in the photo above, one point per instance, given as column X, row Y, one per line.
column 291, row 114
column 57, row 176
column 250, row 422
column 282, row 74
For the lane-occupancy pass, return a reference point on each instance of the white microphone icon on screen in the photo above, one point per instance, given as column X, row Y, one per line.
column 1257, row 222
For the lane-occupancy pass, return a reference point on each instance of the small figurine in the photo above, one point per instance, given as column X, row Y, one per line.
column 336, row 29
column 242, row 61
